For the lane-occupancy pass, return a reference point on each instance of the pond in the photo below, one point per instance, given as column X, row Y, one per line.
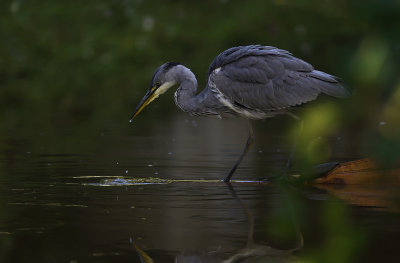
column 158, row 196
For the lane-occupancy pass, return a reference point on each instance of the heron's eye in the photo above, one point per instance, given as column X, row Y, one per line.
column 158, row 84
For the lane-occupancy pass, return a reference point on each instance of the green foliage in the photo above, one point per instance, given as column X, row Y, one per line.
column 91, row 61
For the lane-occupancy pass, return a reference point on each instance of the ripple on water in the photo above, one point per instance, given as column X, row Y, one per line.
column 123, row 181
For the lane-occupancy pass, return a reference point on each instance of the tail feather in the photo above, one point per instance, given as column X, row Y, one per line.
column 330, row 85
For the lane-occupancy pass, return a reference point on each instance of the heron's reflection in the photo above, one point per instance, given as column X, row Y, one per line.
column 252, row 252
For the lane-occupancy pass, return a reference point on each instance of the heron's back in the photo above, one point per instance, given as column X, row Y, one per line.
column 260, row 79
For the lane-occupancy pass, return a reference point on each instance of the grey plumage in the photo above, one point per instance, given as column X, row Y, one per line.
column 253, row 81
column 269, row 80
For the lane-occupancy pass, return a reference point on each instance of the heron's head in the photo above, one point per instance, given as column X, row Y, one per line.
column 163, row 79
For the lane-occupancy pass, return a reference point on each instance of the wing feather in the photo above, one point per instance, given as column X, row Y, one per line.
column 270, row 79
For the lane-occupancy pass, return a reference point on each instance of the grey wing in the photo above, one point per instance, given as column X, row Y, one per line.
column 273, row 81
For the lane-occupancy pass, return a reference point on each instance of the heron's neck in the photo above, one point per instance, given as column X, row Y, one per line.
column 185, row 95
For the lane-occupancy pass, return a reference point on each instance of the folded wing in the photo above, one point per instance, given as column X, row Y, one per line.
column 269, row 79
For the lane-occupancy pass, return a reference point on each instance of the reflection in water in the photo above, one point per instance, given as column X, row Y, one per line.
column 252, row 250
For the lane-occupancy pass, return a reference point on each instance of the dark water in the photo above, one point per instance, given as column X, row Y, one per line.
column 98, row 199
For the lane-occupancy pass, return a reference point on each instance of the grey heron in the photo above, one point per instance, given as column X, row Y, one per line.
column 254, row 82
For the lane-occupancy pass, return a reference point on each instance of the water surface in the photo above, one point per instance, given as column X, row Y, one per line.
column 111, row 197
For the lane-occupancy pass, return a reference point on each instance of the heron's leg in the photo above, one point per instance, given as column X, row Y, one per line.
column 249, row 143
column 292, row 151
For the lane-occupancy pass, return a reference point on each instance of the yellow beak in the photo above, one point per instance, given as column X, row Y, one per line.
column 149, row 97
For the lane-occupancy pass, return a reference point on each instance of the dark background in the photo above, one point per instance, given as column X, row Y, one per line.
column 84, row 65
column 72, row 73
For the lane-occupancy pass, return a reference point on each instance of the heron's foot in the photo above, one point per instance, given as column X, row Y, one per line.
column 283, row 175
column 227, row 180
column 229, row 176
